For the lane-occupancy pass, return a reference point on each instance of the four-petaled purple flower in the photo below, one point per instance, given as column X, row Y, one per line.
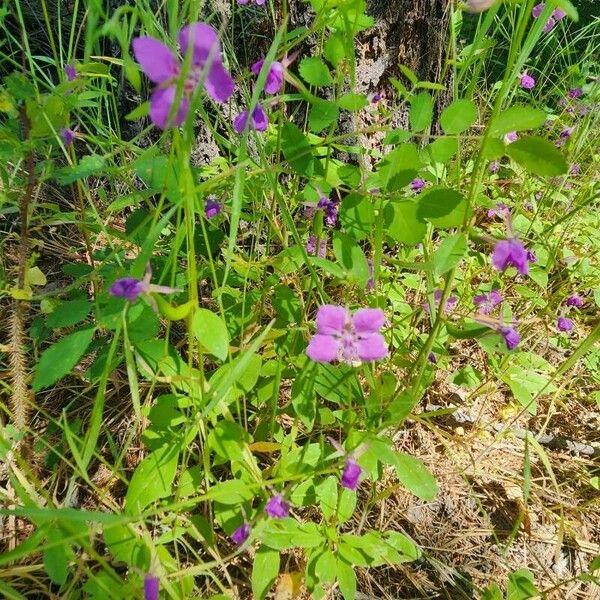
column 277, row 507
column 351, row 474
column 212, row 208
column 274, row 76
column 511, row 252
column 575, row 169
column 564, row 324
column 131, row 288
column 260, row 120
column 494, row 166
column 527, row 81
column 416, row 185
column 510, row 137
column 68, row 135
column 331, row 209
column 241, row 534
column 151, row 587
column 500, row 210
column 574, row 300
column 437, row 296
column 311, row 246
column 575, row 92
column 70, row 72
column 487, row 302
column 163, row 68
column 348, row 338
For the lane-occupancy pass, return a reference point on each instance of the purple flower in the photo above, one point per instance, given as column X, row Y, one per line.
column 574, row 300
column 131, row 288
column 487, row 302
column 431, row 358
column 163, row 68
column 500, row 210
column 277, row 507
column 416, row 185
column 68, row 135
column 151, row 587
column 575, row 93
column 537, row 10
column 511, row 137
column 241, row 534
column 257, row 2
column 477, row 6
column 494, row 166
column 437, row 296
column 566, row 133
column 376, row 98
column 511, row 252
column 212, row 208
column 549, row 26
column 558, row 14
column 274, row 76
column 260, row 120
column 311, row 246
column 331, row 209
column 531, row 256
column 527, row 81
column 351, row 474
column 575, row 169
column 511, row 337
column 564, row 324
column 70, row 72
column 348, row 338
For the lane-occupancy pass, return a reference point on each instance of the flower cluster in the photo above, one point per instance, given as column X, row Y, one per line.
column 556, row 16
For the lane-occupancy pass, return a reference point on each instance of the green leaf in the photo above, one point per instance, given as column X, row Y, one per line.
column 88, row 165
column 403, row 545
column 152, row 479
column 283, row 534
column 56, row 561
column 264, row 571
column 415, row 476
column 346, row 579
column 335, row 50
column 450, row 253
column 304, row 397
column 399, row 167
column 458, row 116
column 521, row 585
column 402, row 224
column 124, row 545
column 211, row 331
column 517, row 118
column 538, row 156
column 526, row 384
column 567, row 7
column 56, row 361
column 315, row 72
column 443, row 149
column 297, row 150
column 325, row 566
column 353, row 102
column 421, row 112
column 322, row 114
column 327, row 493
column 232, row 492
column 351, row 256
column 68, row 313
column 443, row 207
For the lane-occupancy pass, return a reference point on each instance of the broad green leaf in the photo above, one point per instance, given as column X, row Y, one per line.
column 351, row 256
column 517, row 118
column 442, row 149
column 283, row 534
column 327, row 493
column 450, row 253
column 88, row 165
column 443, row 207
column 357, row 215
column 353, row 102
column 421, row 112
column 538, row 156
column 152, row 479
column 325, row 566
column 346, row 579
column 403, row 545
column 56, row 562
column 232, row 492
column 521, row 585
column 210, row 330
column 68, row 313
column 264, row 571
column 402, row 224
column 415, row 476
column 335, row 50
column 458, row 116
column 399, row 167
column 304, row 396
column 526, row 384
column 58, row 360
column 315, row 72
column 297, row 150
column 124, row 545
column 322, row 114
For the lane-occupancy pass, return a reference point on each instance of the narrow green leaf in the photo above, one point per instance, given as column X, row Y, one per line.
column 421, row 112
column 297, row 150
column 415, row 476
column 450, row 253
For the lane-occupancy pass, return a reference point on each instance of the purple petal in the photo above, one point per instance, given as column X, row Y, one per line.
column 351, row 474
column 151, row 587
column 564, row 324
column 323, row 348
column 241, row 534
column 128, row 288
column 204, row 40
column 537, row 10
column 549, row 26
column 239, row 123
column 157, row 60
column 510, row 252
column 70, row 72
column 372, row 347
column 257, row 66
column 274, row 78
column 260, row 119
column 368, row 320
column 218, row 83
column 331, row 319
column 161, row 102
column 277, row 507
column 511, row 337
